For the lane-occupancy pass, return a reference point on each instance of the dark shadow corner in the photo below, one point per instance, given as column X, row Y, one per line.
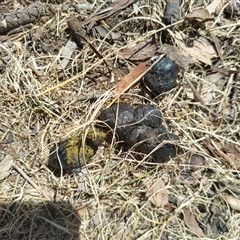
column 46, row 220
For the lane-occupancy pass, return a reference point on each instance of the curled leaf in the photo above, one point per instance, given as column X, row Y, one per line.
column 191, row 223
column 233, row 202
column 158, row 193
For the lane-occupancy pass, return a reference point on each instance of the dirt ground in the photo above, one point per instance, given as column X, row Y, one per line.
column 55, row 82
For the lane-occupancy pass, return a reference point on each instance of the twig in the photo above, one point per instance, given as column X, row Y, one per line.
column 194, row 90
column 40, row 76
column 141, row 68
column 217, row 45
column 224, row 156
column 79, row 34
column 30, row 14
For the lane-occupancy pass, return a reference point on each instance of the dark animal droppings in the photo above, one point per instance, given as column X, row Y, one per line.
column 148, row 115
column 59, row 156
column 119, row 115
column 162, row 76
column 141, row 128
column 70, row 155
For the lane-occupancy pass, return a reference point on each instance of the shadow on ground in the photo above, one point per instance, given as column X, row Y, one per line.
column 29, row 220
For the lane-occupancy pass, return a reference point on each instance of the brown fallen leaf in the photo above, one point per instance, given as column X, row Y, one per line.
column 200, row 49
column 180, row 57
column 200, row 14
column 233, row 152
column 158, row 193
column 191, row 223
column 230, row 159
column 233, row 202
column 140, row 52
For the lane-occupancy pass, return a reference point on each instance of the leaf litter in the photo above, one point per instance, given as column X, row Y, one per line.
column 192, row 224
column 117, row 202
column 200, row 49
column 157, row 192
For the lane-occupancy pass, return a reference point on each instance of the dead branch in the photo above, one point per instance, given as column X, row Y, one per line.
column 21, row 17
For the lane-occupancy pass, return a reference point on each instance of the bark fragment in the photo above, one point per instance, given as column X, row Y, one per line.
column 172, row 12
column 21, row 17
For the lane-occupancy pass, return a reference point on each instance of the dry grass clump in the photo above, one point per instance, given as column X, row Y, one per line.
column 113, row 197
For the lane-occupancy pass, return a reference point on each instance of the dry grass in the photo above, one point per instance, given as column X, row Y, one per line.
column 109, row 198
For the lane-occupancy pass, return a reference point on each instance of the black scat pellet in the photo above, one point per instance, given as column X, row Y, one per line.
column 96, row 140
column 147, row 141
column 131, row 135
column 58, row 152
column 66, row 155
column 162, row 77
column 121, row 112
column 162, row 136
column 164, row 153
column 148, row 115
column 168, row 150
column 172, row 12
column 70, row 155
column 142, row 137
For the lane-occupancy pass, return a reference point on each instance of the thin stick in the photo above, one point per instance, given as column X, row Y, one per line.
column 40, row 76
column 194, row 90
column 223, row 155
